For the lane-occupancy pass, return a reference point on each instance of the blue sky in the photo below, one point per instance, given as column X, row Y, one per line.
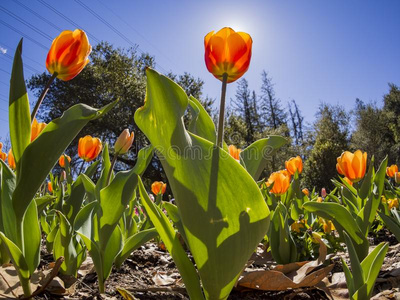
column 331, row 51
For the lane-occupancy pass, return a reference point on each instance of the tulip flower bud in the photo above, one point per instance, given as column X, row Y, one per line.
column 158, row 187
column 320, row 199
column 227, row 52
column 294, row 164
column 281, row 181
column 124, row 142
column 323, row 192
column 68, row 54
column 50, row 187
column 11, row 160
column 306, row 192
column 397, row 177
column 63, row 175
column 352, row 165
column 89, row 148
column 392, row 170
column 234, row 152
column 36, row 129
column 61, row 160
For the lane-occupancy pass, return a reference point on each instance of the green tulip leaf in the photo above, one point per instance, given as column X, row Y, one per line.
column 19, row 111
column 201, row 123
column 133, row 243
column 221, row 207
column 144, row 158
column 173, row 245
column 42, row 154
column 256, row 156
column 32, row 237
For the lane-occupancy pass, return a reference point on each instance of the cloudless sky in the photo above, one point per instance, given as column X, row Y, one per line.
column 315, row 50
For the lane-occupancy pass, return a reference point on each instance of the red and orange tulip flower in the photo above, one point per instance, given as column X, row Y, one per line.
column 352, row 165
column 281, row 181
column 306, row 192
column 68, row 54
column 89, row 148
column 294, row 164
column 61, row 160
column 36, row 129
column 227, row 52
column 234, row 152
column 392, row 170
column 50, row 187
column 124, row 142
column 11, row 160
column 158, row 187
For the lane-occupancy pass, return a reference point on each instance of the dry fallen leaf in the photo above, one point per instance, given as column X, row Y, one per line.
column 125, row 294
column 163, row 279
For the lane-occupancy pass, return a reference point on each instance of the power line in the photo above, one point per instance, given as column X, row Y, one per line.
column 24, row 35
column 6, row 84
column 23, row 55
column 5, row 71
column 67, row 19
column 26, row 66
column 32, row 27
column 39, row 16
column 119, row 33
column 137, row 32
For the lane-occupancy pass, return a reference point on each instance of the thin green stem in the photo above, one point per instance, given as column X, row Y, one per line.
column 111, row 168
column 220, row 136
column 42, row 95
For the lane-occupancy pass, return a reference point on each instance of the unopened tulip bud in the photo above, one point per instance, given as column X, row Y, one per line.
column 63, row 176
column 11, row 160
column 306, row 192
column 50, row 187
column 124, row 142
column 323, row 192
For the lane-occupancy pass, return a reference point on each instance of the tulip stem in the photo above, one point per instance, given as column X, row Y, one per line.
column 42, row 95
column 221, row 120
column 111, row 169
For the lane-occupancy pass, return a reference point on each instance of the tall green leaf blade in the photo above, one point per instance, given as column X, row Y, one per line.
column 134, row 242
column 42, row 154
column 143, row 159
column 221, row 207
column 111, row 251
column 113, row 201
column 356, row 270
column 256, row 156
column 392, row 224
column 8, row 218
column 173, row 245
column 17, row 256
column 32, row 237
column 201, row 124
column 19, row 111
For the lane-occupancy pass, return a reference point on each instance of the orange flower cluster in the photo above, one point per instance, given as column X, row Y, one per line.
column 68, row 54
column 281, row 179
column 158, row 187
column 352, row 165
column 89, row 148
column 227, row 52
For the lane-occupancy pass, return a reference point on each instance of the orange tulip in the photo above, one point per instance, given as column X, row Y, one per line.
column 294, row 164
column 36, row 129
column 320, row 199
column 50, row 187
column 61, row 160
column 3, row 155
column 68, row 54
column 11, row 160
column 227, row 52
column 89, row 148
column 158, row 187
column 124, row 142
column 352, row 165
column 392, row 170
column 327, row 225
column 234, row 152
column 306, row 192
column 281, row 181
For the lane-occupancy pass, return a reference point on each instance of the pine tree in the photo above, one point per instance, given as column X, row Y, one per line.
column 274, row 114
column 296, row 122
